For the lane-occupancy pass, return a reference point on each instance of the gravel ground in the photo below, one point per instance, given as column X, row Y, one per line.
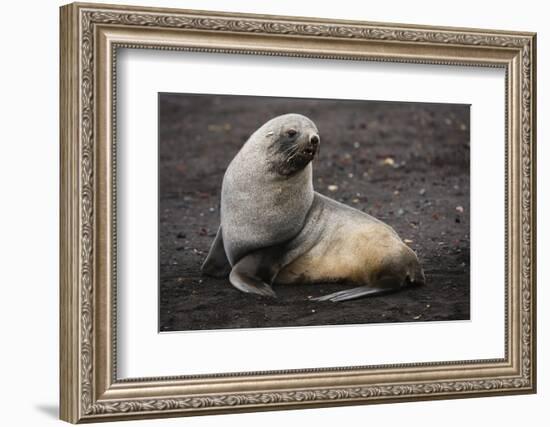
column 407, row 164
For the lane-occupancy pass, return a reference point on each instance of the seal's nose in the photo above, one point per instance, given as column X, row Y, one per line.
column 314, row 140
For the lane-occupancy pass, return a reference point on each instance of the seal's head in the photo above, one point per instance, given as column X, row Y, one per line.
column 292, row 141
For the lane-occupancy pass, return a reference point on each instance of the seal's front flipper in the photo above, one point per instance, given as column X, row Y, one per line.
column 254, row 273
column 250, row 284
column 216, row 263
column 354, row 293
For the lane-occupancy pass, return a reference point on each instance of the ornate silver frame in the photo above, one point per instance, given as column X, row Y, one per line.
column 90, row 36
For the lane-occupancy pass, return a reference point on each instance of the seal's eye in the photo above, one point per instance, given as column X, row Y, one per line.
column 291, row 132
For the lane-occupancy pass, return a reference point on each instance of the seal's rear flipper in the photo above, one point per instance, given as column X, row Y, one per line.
column 216, row 263
column 253, row 273
column 353, row 293
column 387, row 283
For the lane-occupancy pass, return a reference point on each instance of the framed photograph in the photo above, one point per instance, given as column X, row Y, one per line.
column 267, row 212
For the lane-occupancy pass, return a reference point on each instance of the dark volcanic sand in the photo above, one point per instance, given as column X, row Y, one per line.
column 405, row 163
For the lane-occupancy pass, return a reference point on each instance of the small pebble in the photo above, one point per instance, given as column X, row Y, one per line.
column 460, row 209
column 408, row 240
column 388, row 161
column 356, row 144
column 422, row 191
column 332, row 187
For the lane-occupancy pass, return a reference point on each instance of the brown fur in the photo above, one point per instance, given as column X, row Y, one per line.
column 360, row 254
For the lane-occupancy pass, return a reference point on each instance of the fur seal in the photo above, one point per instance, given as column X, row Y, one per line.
column 275, row 229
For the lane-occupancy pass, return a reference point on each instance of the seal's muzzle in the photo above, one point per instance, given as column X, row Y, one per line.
column 311, row 148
